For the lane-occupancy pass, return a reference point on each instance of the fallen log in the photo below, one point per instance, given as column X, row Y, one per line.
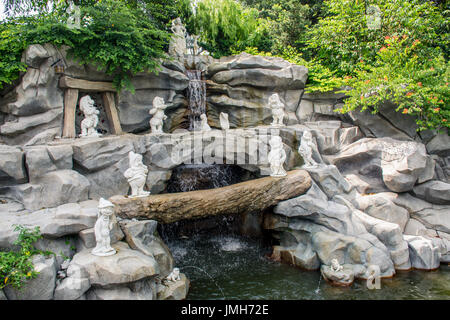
column 245, row 197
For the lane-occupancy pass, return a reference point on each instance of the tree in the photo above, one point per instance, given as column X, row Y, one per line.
column 226, row 26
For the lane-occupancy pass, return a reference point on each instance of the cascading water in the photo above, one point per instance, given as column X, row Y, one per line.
column 197, row 98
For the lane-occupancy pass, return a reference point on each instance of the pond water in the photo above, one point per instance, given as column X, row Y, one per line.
column 234, row 267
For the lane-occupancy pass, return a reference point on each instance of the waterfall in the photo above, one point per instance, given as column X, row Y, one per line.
column 197, row 98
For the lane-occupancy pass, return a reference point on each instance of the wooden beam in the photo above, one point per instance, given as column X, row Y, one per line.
column 67, row 82
column 111, row 112
column 70, row 106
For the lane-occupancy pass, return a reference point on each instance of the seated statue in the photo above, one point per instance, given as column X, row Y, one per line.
column 90, row 120
column 156, row 122
column 204, row 123
column 174, row 275
column 276, row 157
column 102, row 229
column 136, row 175
column 335, row 266
column 277, row 110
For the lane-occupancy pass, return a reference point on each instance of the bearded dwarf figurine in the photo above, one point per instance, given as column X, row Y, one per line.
column 102, row 229
column 157, row 121
column 276, row 157
column 174, row 275
column 277, row 110
column 90, row 120
column 136, row 175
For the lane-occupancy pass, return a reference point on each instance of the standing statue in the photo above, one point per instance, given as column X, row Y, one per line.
column 90, row 120
column 177, row 45
column 276, row 157
column 102, row 229
column 136, row 175
column 224, row 123
column 156, row 122
column 306, row 149
column 277, row 110
column 204, row 123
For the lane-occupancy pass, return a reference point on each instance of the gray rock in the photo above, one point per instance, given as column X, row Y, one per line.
column 40, row 288
column 423, row 253
column 12, row 169
column 71, row 288
column 57, row 222
column 93, row 154
column 440, row 145
column 177, row 290
column 437, row 192
column 142, row 236
column 125, row 266
column 433, row 216
column 61, row 156
column 2, row 296
column 38, row 163
column 344, row 277
column 52, row 189
column 330, row 180
column 397, row 165
column 157, row 180
column 140, row 290
column 382, row 206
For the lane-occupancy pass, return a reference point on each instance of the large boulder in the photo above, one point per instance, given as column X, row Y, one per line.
column 67, row 219
column 52, row 189
column 433, row 191
column 126, row 266
column 386, row 163
column 241, row 85
column 35, row 106
column 433, row 216
column 423, row 253
column 143, row 236
column 12, row 169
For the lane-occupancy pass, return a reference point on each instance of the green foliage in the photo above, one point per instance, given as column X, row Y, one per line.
column 416, row 83
column 16, row 267
column 225, row 26
column 343, row 39
column 120, row 37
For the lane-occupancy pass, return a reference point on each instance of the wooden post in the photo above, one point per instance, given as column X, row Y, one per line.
column 111, row 112
column 70, row 105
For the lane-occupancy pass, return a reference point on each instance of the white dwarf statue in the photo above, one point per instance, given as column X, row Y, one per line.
column 102, row 229
column 174, row 275
column 335, row 266
column 156, row 122
column 224, row 123
column 277, row 110
column 136, row 175
column 204, row 123
column 276, row 157
column 177, row 45
column 90, row 120
column 306, row 149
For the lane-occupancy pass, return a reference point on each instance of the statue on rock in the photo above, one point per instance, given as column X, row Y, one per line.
column 276, row 157
column 90, row 121
column 277, row 110
column 102, row 229
column 136, row 175
column 204, row 123
column 177, row 45
column 337, row 274
column 174, row 275
column 156, row 122
column 224, row 123
column 307, row 148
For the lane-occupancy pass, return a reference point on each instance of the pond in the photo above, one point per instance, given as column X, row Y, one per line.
column 234, row 267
